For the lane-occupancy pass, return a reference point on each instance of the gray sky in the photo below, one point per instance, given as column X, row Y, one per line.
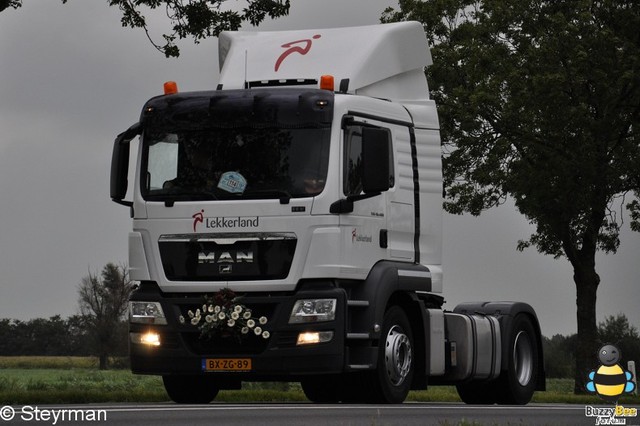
column 71, row 78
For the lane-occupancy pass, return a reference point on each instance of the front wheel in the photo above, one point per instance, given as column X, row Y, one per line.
column 391, row 381
column 323, row 389
column 190, row 389
column 517, row 383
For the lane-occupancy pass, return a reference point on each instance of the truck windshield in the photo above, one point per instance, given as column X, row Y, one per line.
column 234, row 163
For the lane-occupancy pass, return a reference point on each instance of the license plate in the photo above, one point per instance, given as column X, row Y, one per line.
column 226, row 364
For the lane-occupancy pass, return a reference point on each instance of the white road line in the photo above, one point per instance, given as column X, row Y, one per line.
column 303, row 406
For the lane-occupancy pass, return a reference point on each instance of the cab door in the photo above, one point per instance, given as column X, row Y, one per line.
column 363, row 229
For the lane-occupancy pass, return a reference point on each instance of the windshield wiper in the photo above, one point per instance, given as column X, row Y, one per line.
column 193, row 195
column 283, row 195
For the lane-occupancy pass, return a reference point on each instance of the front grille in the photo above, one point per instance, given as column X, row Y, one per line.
column 231, row 345
column 257, row 310
column 227, row 258
column 287, row 339
column 169, row 340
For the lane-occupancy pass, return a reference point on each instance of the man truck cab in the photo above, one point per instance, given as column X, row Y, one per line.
column 309, row 185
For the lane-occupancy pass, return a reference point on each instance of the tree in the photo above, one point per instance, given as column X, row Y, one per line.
column 559, row 355
column 617, row 331
column 103, row 302
column 78, row 340
column 40, row 336
column 540, row 101
column 10, row 3
column 198, row 19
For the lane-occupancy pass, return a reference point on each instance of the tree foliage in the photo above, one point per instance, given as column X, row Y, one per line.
column 559, row 356
column 617, row 330
column 540, row 101
column 198, row 19
column 102, row 300
column 54, row 336
column 560, row 351
column 4, row 4
column 40, row 336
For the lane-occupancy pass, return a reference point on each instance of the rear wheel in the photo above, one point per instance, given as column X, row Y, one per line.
column 517, row 384
column 391, row 381
column 477, row 393
column 190, row 389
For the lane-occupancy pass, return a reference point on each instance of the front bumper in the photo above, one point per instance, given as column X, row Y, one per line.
column 182, row 351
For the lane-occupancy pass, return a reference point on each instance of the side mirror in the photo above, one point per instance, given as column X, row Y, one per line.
column 120, row 164
column 375, row 160
column 375, row 157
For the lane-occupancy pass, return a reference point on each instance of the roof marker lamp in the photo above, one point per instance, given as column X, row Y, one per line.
column 146, row 313
column 170, row 88
column 326, row 82
column 313, row 310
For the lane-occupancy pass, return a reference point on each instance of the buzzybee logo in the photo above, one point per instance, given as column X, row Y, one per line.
column 610, row 415
column 610, row 380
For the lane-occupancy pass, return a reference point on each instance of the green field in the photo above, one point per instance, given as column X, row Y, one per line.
column 57, row 380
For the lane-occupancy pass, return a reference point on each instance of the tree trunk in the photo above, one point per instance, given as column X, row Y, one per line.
column 103, row 361
column 587, row 281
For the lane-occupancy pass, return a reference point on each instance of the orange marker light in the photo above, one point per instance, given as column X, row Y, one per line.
column 170, row 88
column 326, row 82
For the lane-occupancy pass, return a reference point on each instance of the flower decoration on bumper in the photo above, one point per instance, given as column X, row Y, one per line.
column 223, row 316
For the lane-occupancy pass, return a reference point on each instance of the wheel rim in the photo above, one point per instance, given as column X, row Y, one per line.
column 397, row 355
column 523, row 358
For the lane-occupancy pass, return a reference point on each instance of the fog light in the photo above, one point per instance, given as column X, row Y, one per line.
column 149, row 338
column 146, row 313
column 313, row 310
column 313, row 337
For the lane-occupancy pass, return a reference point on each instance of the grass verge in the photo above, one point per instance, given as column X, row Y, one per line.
column 58, row 380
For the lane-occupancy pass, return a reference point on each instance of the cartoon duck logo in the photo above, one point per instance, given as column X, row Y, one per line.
column 610, row 380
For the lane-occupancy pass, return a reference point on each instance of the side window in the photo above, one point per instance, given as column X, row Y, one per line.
column 162, row 162
column 352, row 174
column 353, row 162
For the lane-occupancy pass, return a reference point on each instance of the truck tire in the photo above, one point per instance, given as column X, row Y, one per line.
column 480, row 393
column 322, row 389
column 190, row 389
column 516, row 384
column 391, row 381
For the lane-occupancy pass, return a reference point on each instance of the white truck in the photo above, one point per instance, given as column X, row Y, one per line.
column 309, row 184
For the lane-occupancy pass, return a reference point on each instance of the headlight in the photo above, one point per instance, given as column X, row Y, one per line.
column 146, row 313
column 313, row 337
column 148, row 339
column 313, row 310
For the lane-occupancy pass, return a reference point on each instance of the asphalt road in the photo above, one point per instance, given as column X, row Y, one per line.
column 301, row 414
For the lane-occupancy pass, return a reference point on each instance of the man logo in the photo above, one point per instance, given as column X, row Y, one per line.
column 225, row 269
column 225, row 257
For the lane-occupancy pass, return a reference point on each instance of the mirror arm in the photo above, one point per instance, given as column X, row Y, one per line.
column 345, row 205
column 126, row 204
